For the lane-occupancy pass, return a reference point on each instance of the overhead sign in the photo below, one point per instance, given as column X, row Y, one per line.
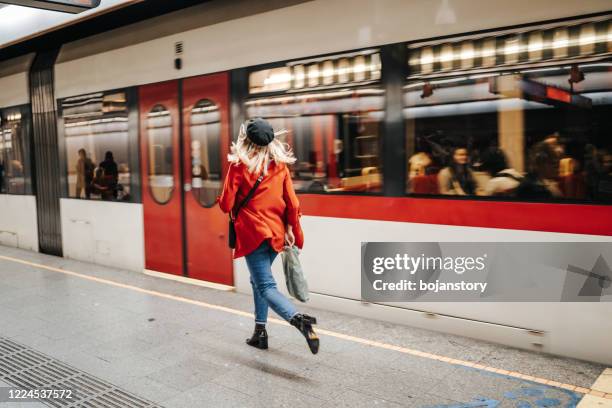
column 516, row 86
column 66, row 6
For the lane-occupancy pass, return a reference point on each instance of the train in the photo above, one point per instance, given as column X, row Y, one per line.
column 114, row 146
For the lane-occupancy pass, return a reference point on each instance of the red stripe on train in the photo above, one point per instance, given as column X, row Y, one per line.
column 569, row 218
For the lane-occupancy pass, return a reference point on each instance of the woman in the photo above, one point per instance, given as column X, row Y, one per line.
column 457, row 179
column 268, row 221
column 111, row 173
column 504, row 179
column 540, row 182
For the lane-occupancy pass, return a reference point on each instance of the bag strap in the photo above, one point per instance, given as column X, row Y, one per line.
column 249, row 195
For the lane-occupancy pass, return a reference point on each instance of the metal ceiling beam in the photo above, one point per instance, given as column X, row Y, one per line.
column 139, row 10
column 65, row 6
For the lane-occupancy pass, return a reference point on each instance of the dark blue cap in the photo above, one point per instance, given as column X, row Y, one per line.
column 259, row 131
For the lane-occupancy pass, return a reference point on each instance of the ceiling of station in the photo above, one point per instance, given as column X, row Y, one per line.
column 18, row 22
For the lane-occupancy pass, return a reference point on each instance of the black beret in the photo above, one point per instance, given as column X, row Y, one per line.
column 259, row 131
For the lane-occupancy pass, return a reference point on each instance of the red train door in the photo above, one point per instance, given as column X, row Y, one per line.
column 206, row 145
column 185, row 231
column 161, row 184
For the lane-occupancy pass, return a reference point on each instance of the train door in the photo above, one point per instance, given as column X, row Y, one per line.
column 206, row 145
column 185, row 231
column 161, row 191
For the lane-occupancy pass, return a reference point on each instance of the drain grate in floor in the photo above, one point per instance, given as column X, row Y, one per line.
column 24, row 367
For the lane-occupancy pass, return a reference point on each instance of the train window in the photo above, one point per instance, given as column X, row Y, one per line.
column 335, row 135
column 14, row 170
column 533, row 133
column 333, row 110
column 205, row 130
column 161, row 170
column 97, row 146
column 270, row 80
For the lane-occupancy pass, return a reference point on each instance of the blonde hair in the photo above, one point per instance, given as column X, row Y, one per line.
column 257, row 157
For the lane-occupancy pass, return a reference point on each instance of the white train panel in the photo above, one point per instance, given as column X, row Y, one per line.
column 331, row 260
column 104, row 233
column 14, row 81
column 18, row 221
column 302, row 30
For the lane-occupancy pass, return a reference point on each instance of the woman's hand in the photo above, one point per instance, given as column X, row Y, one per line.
column 289, row 236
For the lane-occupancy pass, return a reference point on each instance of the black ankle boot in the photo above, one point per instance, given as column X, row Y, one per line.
column 259, row 339
column 304, row 324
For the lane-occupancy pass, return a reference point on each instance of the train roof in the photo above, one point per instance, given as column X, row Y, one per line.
column 49, row 29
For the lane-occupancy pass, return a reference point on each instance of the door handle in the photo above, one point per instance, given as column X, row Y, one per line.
column 187, row 187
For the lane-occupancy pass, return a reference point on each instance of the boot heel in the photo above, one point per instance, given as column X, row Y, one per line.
column 304, row 324
column 311, row 320
column 263, row 343
column 259, row 339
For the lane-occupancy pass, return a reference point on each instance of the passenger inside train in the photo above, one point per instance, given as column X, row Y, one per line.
column 558, row 143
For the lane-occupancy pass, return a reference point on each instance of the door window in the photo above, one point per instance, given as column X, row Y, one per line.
column 205, row 130
column 14, row 171
column 161, row 170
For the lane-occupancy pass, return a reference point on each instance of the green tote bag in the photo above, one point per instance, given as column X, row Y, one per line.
column 294, row 276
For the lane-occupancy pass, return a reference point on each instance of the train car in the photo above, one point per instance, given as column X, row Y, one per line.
column 18, row 222
column 424, row 122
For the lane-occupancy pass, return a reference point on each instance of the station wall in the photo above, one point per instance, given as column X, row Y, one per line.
column 104, row 233
column 18, row 222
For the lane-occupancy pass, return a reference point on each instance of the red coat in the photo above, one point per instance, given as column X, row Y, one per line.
column 272, row 206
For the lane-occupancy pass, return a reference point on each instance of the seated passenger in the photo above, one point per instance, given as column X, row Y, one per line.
column 101, row 185
column 540, row 182
column 604, row 187
column 418, row 163
column 457, row 179
column 571, row 178
column 504, row 180
column 594, row 171
column 554, row 141
column 111, row 172
column 422, row 174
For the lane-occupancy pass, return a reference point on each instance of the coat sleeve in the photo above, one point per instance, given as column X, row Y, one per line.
column 231, row 185
column 292, row 212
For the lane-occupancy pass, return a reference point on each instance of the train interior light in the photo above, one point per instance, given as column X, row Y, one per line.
column 359, row 68
column 587, row 41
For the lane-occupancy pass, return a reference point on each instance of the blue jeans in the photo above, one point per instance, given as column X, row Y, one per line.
column 265, row 292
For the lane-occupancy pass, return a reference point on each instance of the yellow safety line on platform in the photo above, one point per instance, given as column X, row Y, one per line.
column 604, row 384
column 588, row 391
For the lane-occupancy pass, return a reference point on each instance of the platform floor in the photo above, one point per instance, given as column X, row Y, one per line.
column 171, row 344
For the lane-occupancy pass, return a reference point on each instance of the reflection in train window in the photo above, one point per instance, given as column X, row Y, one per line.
column 97, row 146
column 13, row 171
column 532, row 134
column 205, row 131
column 161, row 171
column 335, row 135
